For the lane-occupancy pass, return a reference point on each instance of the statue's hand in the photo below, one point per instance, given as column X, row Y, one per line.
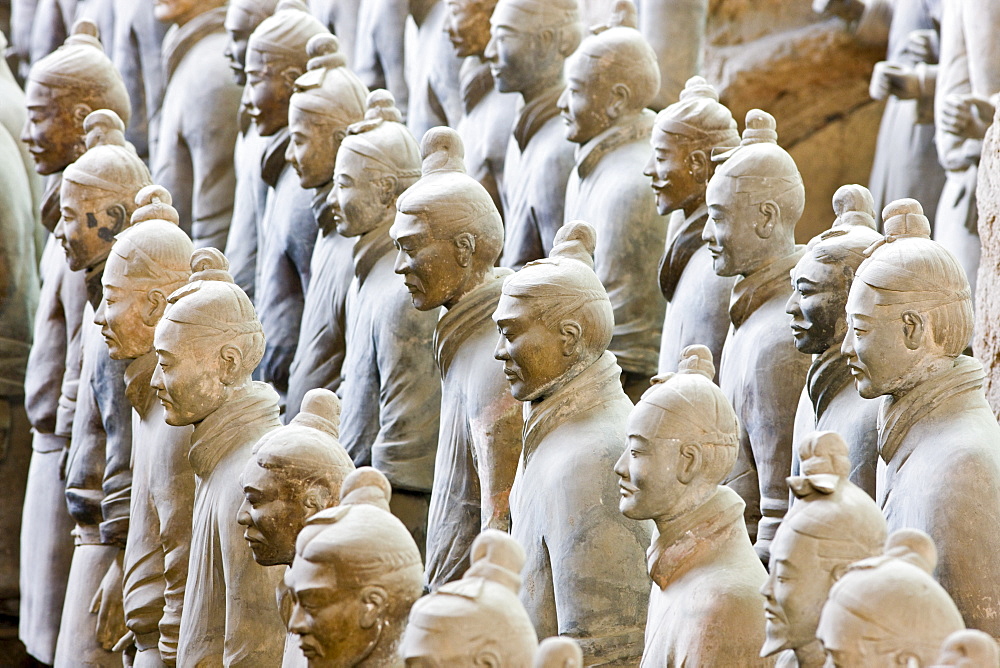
column 922, row 46
column 966, row 116
column 893, row 79
column 107, row 605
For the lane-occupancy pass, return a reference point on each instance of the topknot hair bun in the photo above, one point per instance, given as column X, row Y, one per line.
column 914, row 546
column 697, row 86
column 104, row 128
column 323, row 404
column 85, row 31
column 905, row 218
column 854, row 205
column 576, row 239
column 624, row 15
column 154, row 203
column 442, row 151
column 559, row 652
column 697, row 359
column 368, row 486
column 761, row 128
column 209, row 264
column 382, row 106
column 324, row 52
column 824, row 453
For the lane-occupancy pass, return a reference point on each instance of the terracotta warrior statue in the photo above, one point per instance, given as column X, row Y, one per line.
column 97, row 198
column 487, row 114
column 242, row 18
column 754, row 201
column 62, row 89
column 889, row 610
column 584, row 576
column 295, row 472
column 704, row 606
column 820, row 282
column 449, row 235
column 611, row 79
column 832, row 524
column 391, row 390
column 969, row 648
column 478, row 620
column 276, row 57
column 198, row 119
column 208, row 343
column 909, row 317
column 530, row 41
column 148, row 261
column 328, row 98
column 356, row 574
column 684, row 135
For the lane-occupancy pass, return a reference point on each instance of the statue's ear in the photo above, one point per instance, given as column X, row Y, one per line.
column 232, row 364
column 487, row 658
column 465, row 247
column 387, row 188
column 699, row 165
column 689, row 462
column 316, row 498
column 914, row 326
column 620, row 96
column 156, row 304
column 374, row 599
column 571, row 333
column 290, row 74
column 770, row 216
column 80, row 112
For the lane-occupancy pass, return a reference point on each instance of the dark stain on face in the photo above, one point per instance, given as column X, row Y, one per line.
column 117, row 215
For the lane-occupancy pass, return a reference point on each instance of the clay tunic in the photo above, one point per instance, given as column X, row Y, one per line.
column 157, row 552
column 198, row 128
column 585, row 573
column 248, row 208
column 485, row 126
column 830, row 402
column 762, row 374
column 705, row 606
column 538, row 163
column 480, row 439
column 608, row 189
column 319, row 356
column 390, row 356
column 433, row 76
column 697, row 297
column 137, row 55
column 230, row 612
column 286, row 235
column 941, row 445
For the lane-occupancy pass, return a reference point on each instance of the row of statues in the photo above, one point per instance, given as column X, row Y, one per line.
column 306, row 390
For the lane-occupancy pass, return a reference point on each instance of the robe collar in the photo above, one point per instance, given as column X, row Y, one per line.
column 464, row 318
column 248, row 415
column 321, row 209
column 138, row 376
column 536, row 114
column 590, row 153
column 272, row 162
column 475, row 82
column 897, row 416
column 753, row 291
column 51, row 203
column 827, row 377
column 598, row 384
column 680, row 250
column 182, row 38
column 371, row 247
column 674, row 549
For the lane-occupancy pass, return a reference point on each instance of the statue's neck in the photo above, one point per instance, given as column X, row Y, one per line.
column 811, row 655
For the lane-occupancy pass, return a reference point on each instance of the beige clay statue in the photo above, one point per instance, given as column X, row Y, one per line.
column 148, row 261
column 487, row 114
column 585, row 575
column 684, row 136
column 909, row 318
column 754, row 201
column 820, row 282
column 478, row 620
column 391, row 390
column 208, row 343
column 328, row 99
column 611, row 79
column 969, row 649
column 356, row 574
column 449, row 235
column 833, row 524
column 77, row 76
column 888, row 610
column 276, row 57
column 97, row 198
column 530, row 41
column 704, row 607
column 198, row 119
